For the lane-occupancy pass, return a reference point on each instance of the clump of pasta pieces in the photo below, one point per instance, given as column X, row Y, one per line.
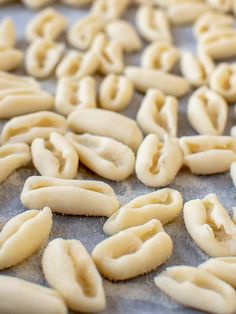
column 112, row 146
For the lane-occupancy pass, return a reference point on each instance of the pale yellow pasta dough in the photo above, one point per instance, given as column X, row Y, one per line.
column 23, row 235
column 164, row 205
column 70, row 270
column 130, row 252
column 71, row 197
column 28, row 298
column 197, row 288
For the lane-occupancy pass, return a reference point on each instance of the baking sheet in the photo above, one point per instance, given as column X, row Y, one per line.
column 140, row 294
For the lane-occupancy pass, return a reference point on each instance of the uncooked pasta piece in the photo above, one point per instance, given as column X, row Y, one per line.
column 158, row 163
column 23, row 235
column 196, row 69
column 8, row 81
column 70, row 197
column 223, row 81
column 197, row 288
column 73, row 94
column 7, row 33
column 160, row 55
column 103, row 155
column 153, row 24
column 158, row 114
column 221, row 5
column 169, row 84
column 106, row 123
column 82, row 33
column 77, row 3
column 129, row 253
column 55, row 157
column 109, row 9
column 210, row 108
column 223, row 268
column 23, row 99
column 37, row 4
column 70, row 270
column 30, row 126
column 28, row 298
column 210, row 226
column 116, row 30
column 116, row 92
column 168, row 3
column 164, row 205
column 110, row 54
column 199, row 151
column 47, row 24
column 42, row 57
column 77, row 65
column 212, row 21
column 10, row 59
column 12, row 157
column 219, row 43
column 186, row 12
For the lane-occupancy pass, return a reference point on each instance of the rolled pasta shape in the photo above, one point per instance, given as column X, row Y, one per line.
column 199, row 151
column 37, row 4
column 106, row 123
column 70, row 270
column 47, row 24
column 186, row 12
column 77, row 65
column 212, row 21
column 221, row 5
column 110, row 54
column 82, row 33
column 20, row 100
column 70, row 197
column 12, row 157
column 23, row 235
column 210, row 226
column 210, row 108
column 219, row 43
column 77, row 3
column 129, row 253
column 145, row 79
column 153, row 24
column 9, row 81
column 109, row 9
column 196, row 69
column 103, row 155
column 73, row 94
column 28, row 298
column 158, row 114
column 131, row 42
column 197, row 288
column 10, row 59
column 116, row 92
column 55, row 157
column 157, row 163
column 30, row 126
column 42, row 57
column 7, row 33
column 164, row 205
column 160, row 55
column 222, row 267
column 223, row 81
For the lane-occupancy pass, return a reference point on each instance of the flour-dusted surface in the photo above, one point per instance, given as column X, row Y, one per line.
column 137, row 296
